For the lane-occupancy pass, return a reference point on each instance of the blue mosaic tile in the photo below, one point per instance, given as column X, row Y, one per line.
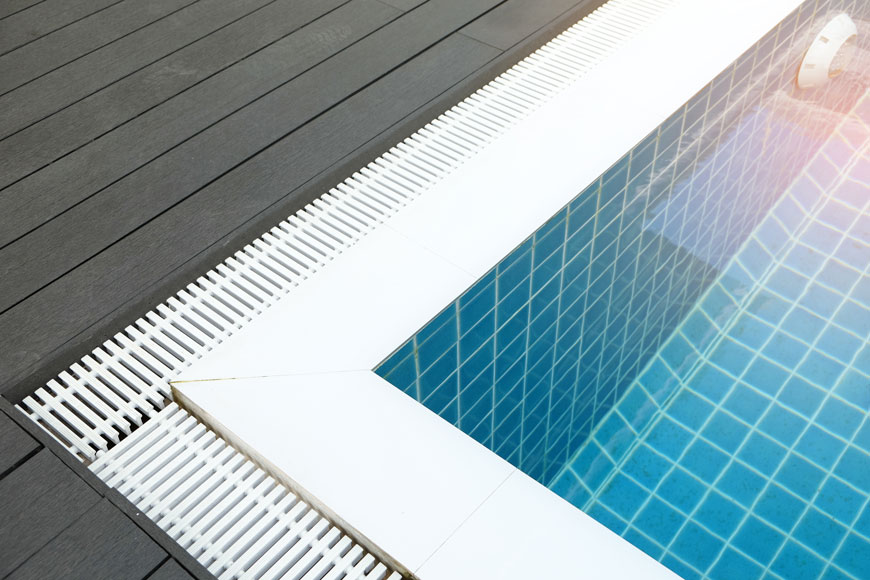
column 712, row 382
column 762, row 453
column 854, row 556
column 779, row 507
column 733, row 565
column 783, row 425
column 854, row 467
column 569, row 486
column 839, row 500
column 801, row 396
column 746, row 403
column 704, row 460
column 660, row 521
column 840, row 418
column 681, row 351
column 719, row 514
column 758, row 540
column 800, row 476
column 682, row 490
column 622, row 496
column 690, row 409
column 820, row 447
column 669, row 438
column 819, row 532
column 754, row 462
column 607, row 517
column 798, row 563
column 679, row 567
column 644, row 543
column 696, row 546
column 623, row 267
column 646, row 466
column 741, row 483
column 803, row 324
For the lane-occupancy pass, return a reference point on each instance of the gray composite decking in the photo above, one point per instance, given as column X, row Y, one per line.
column 57, row 520
column 141, row 142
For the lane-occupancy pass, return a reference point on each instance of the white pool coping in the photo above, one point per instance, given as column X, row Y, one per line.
column 295, row 387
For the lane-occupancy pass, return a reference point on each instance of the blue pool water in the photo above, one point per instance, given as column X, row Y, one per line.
column 682, row 351
column 742, row 451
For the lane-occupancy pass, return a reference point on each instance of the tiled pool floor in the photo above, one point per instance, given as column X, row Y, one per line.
column 743, row 450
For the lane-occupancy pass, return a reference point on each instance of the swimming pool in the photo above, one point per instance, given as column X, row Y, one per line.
column 680, row 351
column 743, row 446
column 614, row 355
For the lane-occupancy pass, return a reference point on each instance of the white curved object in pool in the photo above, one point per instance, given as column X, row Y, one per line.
column 826, row 56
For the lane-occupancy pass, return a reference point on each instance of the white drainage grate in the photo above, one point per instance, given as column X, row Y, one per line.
column 110, row 392
column 97, row 406
column 236, row 520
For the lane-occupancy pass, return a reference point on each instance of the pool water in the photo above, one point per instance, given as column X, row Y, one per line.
column 682, row 351
column 742, row 451
column 534, row 354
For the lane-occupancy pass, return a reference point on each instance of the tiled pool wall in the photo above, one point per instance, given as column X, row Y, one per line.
column 743, row 450
column 530, row 358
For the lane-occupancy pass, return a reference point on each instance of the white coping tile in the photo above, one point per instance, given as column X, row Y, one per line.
column 356, row 446
column 389, row 469
column 539, row 535
column 348, row 316
column 478, row 214
column 493, row 204
column 354, row 442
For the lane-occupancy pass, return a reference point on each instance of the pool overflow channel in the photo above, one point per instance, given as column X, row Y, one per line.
column 112, row 409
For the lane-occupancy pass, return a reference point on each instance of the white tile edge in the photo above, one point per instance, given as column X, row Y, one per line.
column 146, row 395
column 452, row 222
column 184, row 402
column 469, row 178
column 545, row 515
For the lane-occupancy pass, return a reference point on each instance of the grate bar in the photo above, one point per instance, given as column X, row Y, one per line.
column 112, row 409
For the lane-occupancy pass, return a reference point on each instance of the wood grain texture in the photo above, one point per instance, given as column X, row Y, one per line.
column 513, row 21
column 154, row 178
column 170, row 570
column 77, row 469
column 71, row 42
column 68, row 181
column 103, row 544
column 36, row 260
column 15, row 444
column 404, row 5
column 10, row 7
column 38, row 501
column 80, row 78
column 143, row 258
column 42, row 18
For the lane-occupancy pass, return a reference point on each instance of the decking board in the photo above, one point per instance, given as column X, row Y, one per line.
column 80, row 124
column 43, row 18
column 15, row 444
column 170, row 571
column 512, row 21
column 81, row 78
column 71, row 42
column 38, row 501
column 11, row 7
column 142, row 143
column 34, row 261
column 102, row 544
column 48, row 493
column 103, row 174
